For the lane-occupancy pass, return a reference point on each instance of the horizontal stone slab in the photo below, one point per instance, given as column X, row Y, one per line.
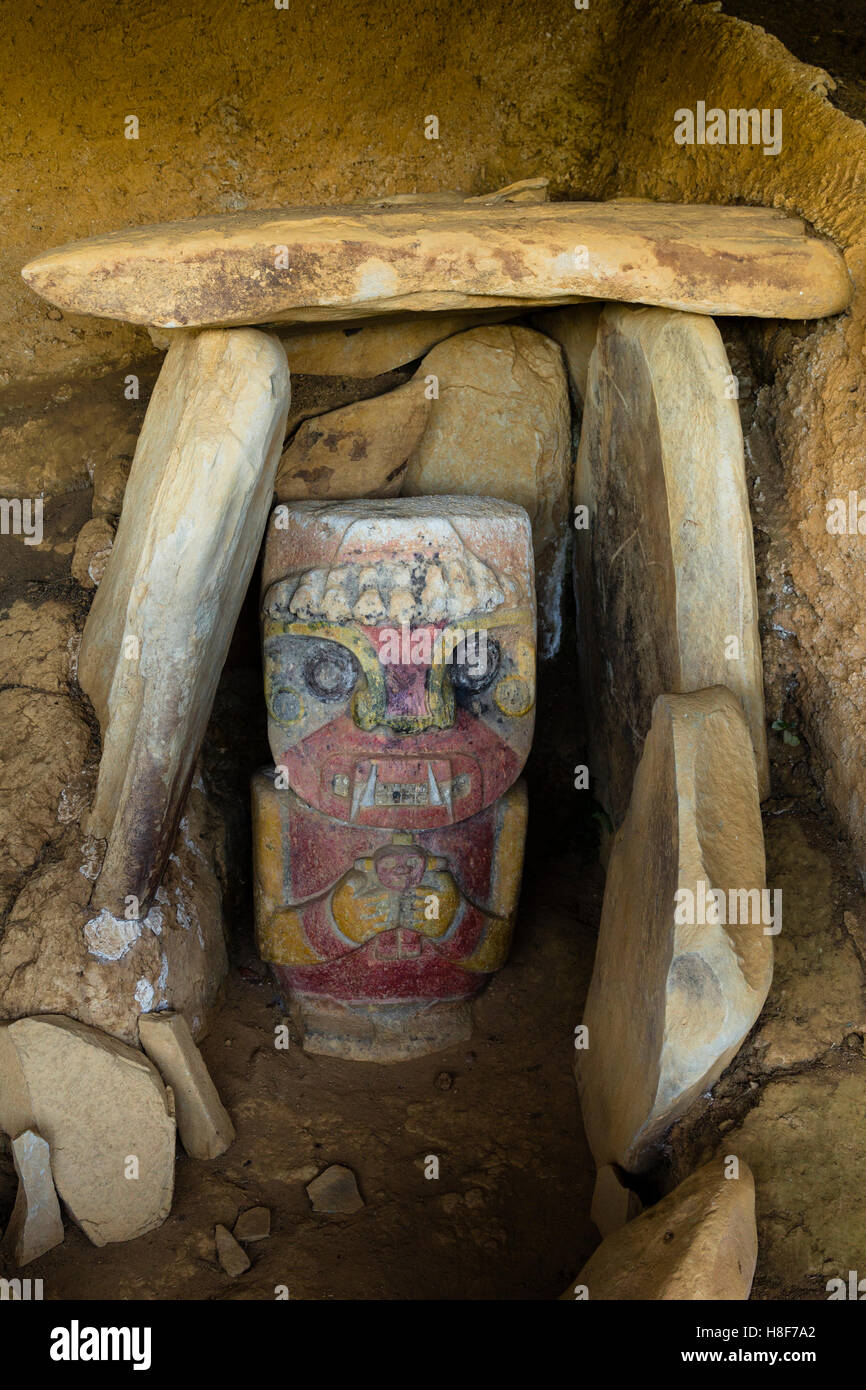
column 314, row 264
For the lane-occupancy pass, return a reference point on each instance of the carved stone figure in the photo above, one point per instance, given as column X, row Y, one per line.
column 399, row 659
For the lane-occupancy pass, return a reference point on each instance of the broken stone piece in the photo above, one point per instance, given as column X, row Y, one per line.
column 106, row 1117
column 358, row 451
column 156, row 637
column 683, row 962
column 664, row 560
column 335, row 1191
column 36, row 1224
column 254, row 1224
column 698, row 1243
column 613, row 1204
column 310, row 264
column 500, row 426
column 202, row 1121
column 233, row 1259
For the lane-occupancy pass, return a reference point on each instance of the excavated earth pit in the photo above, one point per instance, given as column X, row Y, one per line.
column 508, row 1216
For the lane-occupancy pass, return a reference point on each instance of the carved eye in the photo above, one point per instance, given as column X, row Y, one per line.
column 330, row 672
column 474, row 668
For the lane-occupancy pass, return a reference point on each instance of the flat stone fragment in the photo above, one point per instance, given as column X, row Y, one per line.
column 683, row 962
column 254, row 1224
column 335, row 1191
column 613, row 1204
column 697, row 1244
column 106, row 1117
column 157, row 634
column 233, row 1259
column 664, row 560
column 36, row 1224
column 501, row 427
column 314, row 264
column 360, row 450
column 203, row 1123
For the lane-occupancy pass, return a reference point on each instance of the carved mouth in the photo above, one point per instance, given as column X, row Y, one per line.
column 371, row 788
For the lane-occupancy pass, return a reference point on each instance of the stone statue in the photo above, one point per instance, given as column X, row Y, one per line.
column 399, row 666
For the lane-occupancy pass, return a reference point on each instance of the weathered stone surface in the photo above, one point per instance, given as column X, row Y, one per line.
column 379, row 345
column 92, row 549
column 310, row 264
column 104, row 1112
column 665, row 569
column 233, row 1259
column 61, row 955
column 613, row 1204
column 335, row 1191
column 699, row 1244
column 35, row 1224
column 254, row 1224
column 501, row 427
column 203, row 1122
column 160, row 625
column 670, row 1000
column 359, row 451
column 575, row 329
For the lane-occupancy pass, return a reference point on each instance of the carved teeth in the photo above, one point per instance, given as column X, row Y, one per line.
column 371, row 791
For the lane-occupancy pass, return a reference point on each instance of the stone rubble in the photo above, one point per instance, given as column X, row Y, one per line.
column 35, row 1225
column 234, row 1260
column 335, row 1191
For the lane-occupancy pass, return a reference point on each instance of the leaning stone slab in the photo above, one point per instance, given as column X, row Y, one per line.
column 36, row 1225
column 202, row 1120
column 500, row 426
column 156, row 637
column 664, row 559
column 683, row 962
column 106, row 1117
column 575, row 328
column 315, row 264
column 699, row 1243
column 360, row 450
column 379, row 345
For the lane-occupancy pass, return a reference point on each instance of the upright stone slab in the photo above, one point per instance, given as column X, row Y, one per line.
column 35, row 1225
column 699, row 1243
column 106, row 1117
column 684, row 958
column 314, row 264
column 664, row 560
column 500, row 426
column 159, row 629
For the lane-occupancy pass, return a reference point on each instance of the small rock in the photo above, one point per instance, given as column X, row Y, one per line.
column 254, row 1224
column 233, row 1259
column 444, row 1081
column 36, row 1224
column 203, row 1123
column 92, row 549
column 335, row 1190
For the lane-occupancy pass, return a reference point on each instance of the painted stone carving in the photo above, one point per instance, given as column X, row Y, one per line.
column 399, row 659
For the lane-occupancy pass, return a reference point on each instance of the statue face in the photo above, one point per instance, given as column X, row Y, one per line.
column 399, row 656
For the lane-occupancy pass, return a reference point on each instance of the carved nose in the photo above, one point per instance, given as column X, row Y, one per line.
column 414, row 699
